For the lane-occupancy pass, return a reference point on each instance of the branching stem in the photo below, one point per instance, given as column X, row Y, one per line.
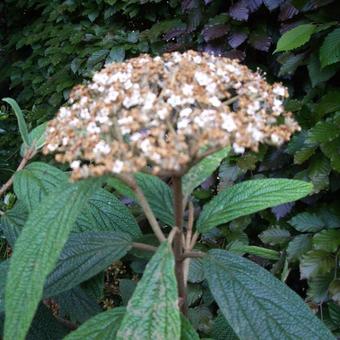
column 143, row 246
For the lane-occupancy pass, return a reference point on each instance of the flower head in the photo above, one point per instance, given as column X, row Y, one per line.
column 162, row 112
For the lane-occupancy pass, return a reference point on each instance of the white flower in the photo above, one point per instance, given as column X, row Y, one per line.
column 174, row 100
column 64, row 112
column 187, row 90
column 102, row 148
column 111, row 96
column 197, row 59
column 228, row 122
column 279, row 90
column 75, row 164
column 214, row 101
column 162, row 113
column 185, row 112
column 149, row 100
column 65, row 141
column 101, row 78
column 276, row 139
column 202, row 78
column 132, row 101
column 238, row 149
column 93, row 128
column 183, row 123
column 118, row 166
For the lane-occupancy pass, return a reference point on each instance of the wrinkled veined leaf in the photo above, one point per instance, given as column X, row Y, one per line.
column 330, row 102
column 221, row 329
column 84, row 256
column 187, row 331
column 104, row 212
column 318, row 171
column 76, row 305
column 200, row 317
column 36, row 252
column 295, row 37
column 334, row 290
column 331, row 150
column 253, row 291
column 199, row 172
column 12, row 222
column 102, row 326
column 196, row 273
column 36, row 181
column 324, row 131
column 330, row 49
column 298, row 246
column 153, row 311
column 21, row 120
column 249, row 197
column 328, row 240
column 3, row 270
column 316, row 262
column 36, row 137
column 157, row 193
column 307, row 222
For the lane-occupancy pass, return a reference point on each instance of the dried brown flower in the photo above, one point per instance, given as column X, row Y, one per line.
column 163, row 111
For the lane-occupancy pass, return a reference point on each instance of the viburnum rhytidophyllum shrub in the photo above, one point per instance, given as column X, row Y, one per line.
column 175, row 116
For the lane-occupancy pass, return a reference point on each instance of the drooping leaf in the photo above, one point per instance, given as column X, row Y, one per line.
column 330, row 102
column 198, row 173
column 258, row 251
column 324, row 131
column 102, row 326
column 317, row 74
column 153, row 310
column 318, row 171
column 305, row 221
column 298, row 246
column 104, row 212
column 12, row 222
column 36, row 181
column 196, row 273
column 21, row 120
column 316, row 262
column 318, row 287
column 211, row 32
column 36, row 252
column 295, row 38
column 237, row 38
column 328, row 240
column 330, row 49
column 84, row 256
column 200, row 317
column 251, row 290
column 249, row 197
column 282, row 210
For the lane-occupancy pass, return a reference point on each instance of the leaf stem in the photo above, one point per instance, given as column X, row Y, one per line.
column 131, row 182
column 143, row 246
column 30, row 153
column 193, row 254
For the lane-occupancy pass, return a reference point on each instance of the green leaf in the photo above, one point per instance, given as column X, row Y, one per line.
column 305, row 221
column 249, row 197
column 274, row 236
column 316, row 262
column 3, row 270
column 258, row 251
column 298, row 246
column 104, row 212
column 36, row 252
column 318, row 171
column 153, row 311
column 117, row 54
column 20, row 117
column 328, row 240
column 323, row 132
column 317, row 74
column 332, row 150
column 12, row 222
column 157, row 193
column 201, row 171
column 295, row 37
column 221, row 329
column 76, row 305
column 126, row 289
column 330, row 49
column 36, row 137
column 84, row 256
column 242, row 289
column 187, row 331
column 102, row 326
column 36, row 181
column 196, row 273
column 318, row 287
column 330, row 102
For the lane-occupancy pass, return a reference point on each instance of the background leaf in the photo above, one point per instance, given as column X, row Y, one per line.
column 330, row 49
column 85, row 255
column 235, row 281
column 249, row 197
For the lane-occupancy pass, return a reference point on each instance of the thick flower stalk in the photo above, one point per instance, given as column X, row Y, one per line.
column 163, row 114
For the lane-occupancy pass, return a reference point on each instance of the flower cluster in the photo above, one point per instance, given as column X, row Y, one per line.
column 162, row 112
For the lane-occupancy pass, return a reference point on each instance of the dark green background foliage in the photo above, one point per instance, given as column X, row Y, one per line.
column 46, row 47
